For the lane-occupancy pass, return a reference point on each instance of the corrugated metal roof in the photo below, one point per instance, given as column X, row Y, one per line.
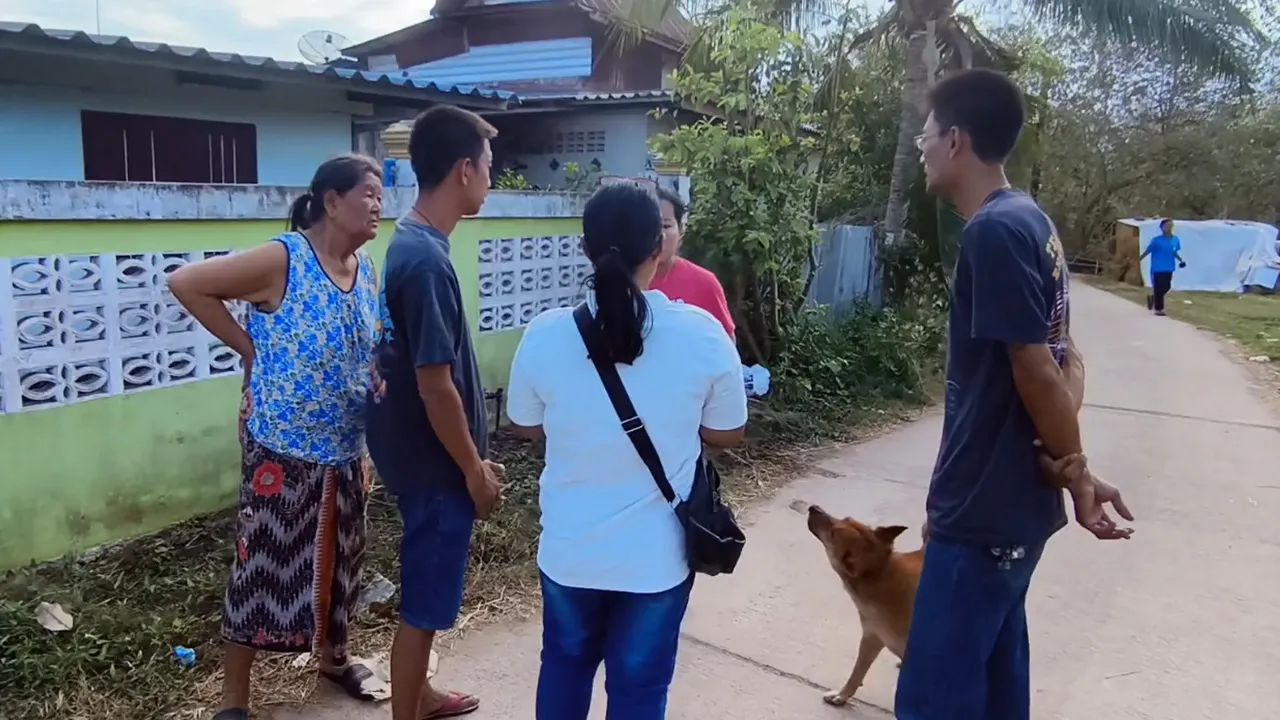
column 673, row 30
column 673, row 26
column 367, row 80
column 600, row 96
column 508, row 62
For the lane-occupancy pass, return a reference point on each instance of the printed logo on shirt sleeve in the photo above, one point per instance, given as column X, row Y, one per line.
column 1057, row 255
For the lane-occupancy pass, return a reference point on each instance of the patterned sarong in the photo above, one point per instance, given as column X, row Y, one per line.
column 300, row 536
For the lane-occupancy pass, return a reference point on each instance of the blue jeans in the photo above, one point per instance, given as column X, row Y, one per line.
column 968, row 653
column 634, row 634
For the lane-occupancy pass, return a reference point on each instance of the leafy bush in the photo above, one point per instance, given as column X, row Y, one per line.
column 754, row 172
column 511, row 180
column 832, row 368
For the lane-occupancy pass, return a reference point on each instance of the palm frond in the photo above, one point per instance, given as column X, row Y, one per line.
column 1212, row 37
column 962, row 43
column 986, row 51
column 634, row 19
column 888, row 28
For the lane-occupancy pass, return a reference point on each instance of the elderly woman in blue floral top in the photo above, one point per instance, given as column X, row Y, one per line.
column 306, row 349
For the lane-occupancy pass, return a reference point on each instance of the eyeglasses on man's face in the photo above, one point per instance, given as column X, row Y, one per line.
column 919, row 139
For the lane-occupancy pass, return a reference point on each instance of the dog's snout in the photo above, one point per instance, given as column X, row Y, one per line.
column 819, row 521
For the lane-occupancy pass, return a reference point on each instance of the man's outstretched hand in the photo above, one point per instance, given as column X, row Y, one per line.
column 1090, row 494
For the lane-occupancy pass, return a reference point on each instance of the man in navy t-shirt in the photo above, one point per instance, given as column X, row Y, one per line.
column 990, row 512
column 426, row 428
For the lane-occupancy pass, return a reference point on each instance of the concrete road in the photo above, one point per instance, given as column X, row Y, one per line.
column 1180, row 623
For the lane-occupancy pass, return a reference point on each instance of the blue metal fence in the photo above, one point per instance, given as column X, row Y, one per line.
column 848, row 270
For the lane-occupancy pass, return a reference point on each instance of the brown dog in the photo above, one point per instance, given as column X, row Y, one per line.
column 881, row 582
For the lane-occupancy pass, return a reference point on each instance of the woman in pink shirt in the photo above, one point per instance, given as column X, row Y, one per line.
column 679, row 279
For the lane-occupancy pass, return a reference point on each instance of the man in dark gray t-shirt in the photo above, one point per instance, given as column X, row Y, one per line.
column 423, row 325
column 426, row 416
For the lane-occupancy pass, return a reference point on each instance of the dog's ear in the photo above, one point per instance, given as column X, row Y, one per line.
column 887, row 534
column 850, row 563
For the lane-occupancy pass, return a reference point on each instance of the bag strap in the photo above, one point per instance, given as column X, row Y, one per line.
column 632, row 425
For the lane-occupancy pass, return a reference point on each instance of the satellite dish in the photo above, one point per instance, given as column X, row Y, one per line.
column 321, row 47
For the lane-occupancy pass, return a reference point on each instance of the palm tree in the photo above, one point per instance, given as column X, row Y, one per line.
column 1212, row 35
column 1213, row 38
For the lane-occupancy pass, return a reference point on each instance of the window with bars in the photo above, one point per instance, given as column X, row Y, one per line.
column 150, row 148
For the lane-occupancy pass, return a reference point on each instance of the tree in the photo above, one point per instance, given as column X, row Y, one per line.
column 756, row 180
column 1126, row 131
column 1213, row 36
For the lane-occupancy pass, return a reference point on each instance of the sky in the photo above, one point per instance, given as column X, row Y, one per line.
column 272, row 28
column 249, row 27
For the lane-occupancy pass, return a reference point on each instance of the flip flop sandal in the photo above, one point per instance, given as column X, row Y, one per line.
column 232, row 714
column 354, row 680
column 455, row 704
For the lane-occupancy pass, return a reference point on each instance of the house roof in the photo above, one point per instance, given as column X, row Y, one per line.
column 511, row 62
column 28, row 36
column 597, row 98
column 672, row 31
column 532, row 101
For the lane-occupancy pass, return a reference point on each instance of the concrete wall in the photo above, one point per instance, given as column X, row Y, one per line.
column 106, row 465
column 626, row 141
column 40, row 124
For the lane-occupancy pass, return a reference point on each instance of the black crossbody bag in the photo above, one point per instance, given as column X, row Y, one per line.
column 713, row 540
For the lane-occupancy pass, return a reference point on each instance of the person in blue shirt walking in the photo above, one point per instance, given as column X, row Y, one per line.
column 1164, row 250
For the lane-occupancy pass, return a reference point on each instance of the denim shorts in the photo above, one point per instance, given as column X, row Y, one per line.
column 968, row 650
column 433, row 556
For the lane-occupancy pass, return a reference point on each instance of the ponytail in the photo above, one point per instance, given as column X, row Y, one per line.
column 621, row 308
column 621, row 231
column 300, row 212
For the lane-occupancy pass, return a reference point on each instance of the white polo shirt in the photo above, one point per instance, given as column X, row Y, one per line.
column 605, row 524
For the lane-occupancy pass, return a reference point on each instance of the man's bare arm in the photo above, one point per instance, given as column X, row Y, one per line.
column 447, row 417
column 1045, row 392
column 1074, row 374
column 1063, row 474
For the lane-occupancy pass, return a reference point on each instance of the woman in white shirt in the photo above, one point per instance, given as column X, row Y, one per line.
column 615, row 581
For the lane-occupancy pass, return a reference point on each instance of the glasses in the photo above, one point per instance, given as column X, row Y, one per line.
column 919, row 139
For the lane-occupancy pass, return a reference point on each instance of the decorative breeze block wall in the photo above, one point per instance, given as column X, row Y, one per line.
column 522, row 277
column 79, row 327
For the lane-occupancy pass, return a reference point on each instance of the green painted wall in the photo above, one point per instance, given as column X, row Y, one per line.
column 101, row 470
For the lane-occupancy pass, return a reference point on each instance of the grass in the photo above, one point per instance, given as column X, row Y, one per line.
column 1252, row 321
column 135, row 602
